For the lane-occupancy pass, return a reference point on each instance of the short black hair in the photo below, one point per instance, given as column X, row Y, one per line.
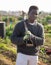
column 33, row 7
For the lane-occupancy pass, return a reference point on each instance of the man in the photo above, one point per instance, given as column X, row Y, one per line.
column 28, row 35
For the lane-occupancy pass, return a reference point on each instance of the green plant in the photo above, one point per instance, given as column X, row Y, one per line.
column 47, row 28
column 9, row 30
column 6, row 45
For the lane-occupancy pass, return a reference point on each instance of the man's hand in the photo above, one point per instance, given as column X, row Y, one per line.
column 28, row 32
column 27, row 38
column 27, row 35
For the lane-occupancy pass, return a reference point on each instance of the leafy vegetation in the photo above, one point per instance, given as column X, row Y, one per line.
column 9, row 49
column 9, row 30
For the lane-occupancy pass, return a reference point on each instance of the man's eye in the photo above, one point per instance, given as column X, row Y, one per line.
column 35, row 13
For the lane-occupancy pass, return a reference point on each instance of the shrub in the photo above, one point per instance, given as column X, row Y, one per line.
column 9, row 30
column 47, row 28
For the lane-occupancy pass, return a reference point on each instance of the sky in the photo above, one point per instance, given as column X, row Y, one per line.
column 19, row 5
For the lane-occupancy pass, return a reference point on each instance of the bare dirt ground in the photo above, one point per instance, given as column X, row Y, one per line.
column 8, row 58
column 8, row 61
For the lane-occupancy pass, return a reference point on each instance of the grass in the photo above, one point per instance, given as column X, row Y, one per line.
column 47, row 39
column 5, row 47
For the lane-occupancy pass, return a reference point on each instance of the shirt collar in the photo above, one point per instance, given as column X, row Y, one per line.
column 34, row 23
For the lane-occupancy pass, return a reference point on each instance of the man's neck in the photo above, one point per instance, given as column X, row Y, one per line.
column 31, row 21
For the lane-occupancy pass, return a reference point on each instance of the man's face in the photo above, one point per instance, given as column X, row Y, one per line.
column 32, row 15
